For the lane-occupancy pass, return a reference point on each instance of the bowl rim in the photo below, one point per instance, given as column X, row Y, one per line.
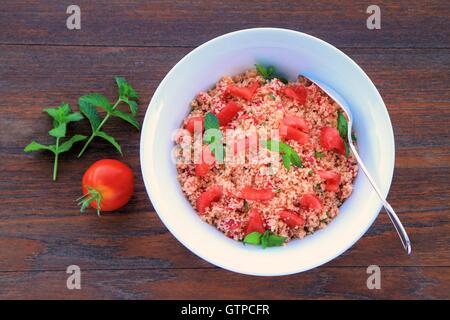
column 150, row 112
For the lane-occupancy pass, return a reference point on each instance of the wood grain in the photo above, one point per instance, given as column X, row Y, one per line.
column 130, row 254
column 190, row 23
column 325, row 282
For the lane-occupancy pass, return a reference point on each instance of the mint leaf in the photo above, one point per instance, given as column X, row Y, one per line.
column 59, row 131
column 87, row 106
column 66, row 146
column 342, row 126
column 269, row 73
column 35, row 146
column 126, row 117
column 89, row 111
column 125, row 89
column 275, row 241
column 97, row 100
column 110, row 139
column 132, row 104
column 253, row 238
column 295, row 159
column 211, row 121
column 288, row 154
column 286, row 161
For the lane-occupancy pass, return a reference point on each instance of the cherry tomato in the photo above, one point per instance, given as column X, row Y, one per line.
column 107, row 185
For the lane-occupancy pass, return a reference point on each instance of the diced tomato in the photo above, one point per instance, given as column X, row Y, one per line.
column 331, row 140
column 311, row 201
column 332, row 180
column 190, row 124
column 209, row 196
column 291, row 218
column 290, row 133
column 298, row 93
column 227, row 114
column 250, row 193
column 296, row 122
column 255, row 222
column 246, row 93
column 206, row 162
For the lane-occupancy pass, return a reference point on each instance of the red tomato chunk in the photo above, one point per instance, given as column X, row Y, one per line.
column 209, row 196
column 291, row 218
column 227, row 114
column 311, row 201
column 331, row 140
column 255, row 222
column 246, row 93
column 250, row 193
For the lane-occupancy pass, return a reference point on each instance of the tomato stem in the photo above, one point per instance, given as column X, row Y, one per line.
column 85, row 200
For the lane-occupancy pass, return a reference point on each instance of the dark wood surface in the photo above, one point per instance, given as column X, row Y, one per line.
column 131, row 254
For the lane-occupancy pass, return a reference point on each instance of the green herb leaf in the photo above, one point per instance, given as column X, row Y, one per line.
column 288, row 154
column 318, row 155
column 97, row 100
column 87, row 106
column 354, row 137
column 66, row 146
column 273, row 240
column 265, row 72
column 253, row 238
column 61, row 117
column 295, row 159
column 211, row 121
column 342, row 126
column 59, row 131
column 90, row 113
column 110, row 139
column 126, row 117
column 125, row 89
column 286, row 161
column 132, row 104
column 35, row 146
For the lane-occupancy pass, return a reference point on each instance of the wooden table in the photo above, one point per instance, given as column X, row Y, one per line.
column 131, row 254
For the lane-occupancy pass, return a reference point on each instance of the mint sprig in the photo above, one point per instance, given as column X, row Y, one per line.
column 288, row 154
column 88, row 106
column 265, row 239
column 213, row 136
column 61, row 117
column 268, row 73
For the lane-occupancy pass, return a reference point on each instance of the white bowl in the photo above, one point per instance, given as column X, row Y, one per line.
column 292, row 53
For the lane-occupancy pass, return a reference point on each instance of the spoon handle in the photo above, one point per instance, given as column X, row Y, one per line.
column 389, row 210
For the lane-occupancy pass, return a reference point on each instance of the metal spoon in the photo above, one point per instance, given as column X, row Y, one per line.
column 391, row 213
